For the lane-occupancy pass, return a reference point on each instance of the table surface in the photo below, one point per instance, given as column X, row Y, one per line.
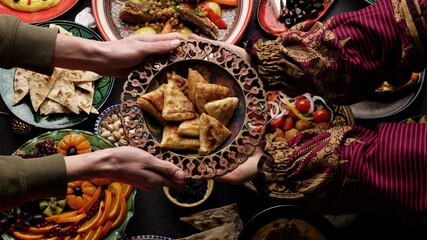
column 155, row 214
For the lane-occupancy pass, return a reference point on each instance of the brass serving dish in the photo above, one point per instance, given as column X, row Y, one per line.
column 227, row 69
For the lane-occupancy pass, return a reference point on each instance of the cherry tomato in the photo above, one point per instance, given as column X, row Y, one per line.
column 321, row 115
column 302, row 105
column 277, row 122
column 288, row 123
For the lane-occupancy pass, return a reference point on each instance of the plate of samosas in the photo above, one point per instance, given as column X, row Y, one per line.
column 201, row 107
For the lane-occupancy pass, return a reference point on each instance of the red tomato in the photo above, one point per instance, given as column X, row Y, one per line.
column 288, row 123
column 277, row 122
column 302, row 105
column 321, row 115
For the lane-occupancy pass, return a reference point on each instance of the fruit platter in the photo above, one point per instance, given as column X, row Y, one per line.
column 92, row 209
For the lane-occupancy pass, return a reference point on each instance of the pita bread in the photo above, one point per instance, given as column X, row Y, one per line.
column 176, row 107
column 193, row 78
column 222, row 109
column 21, row 85
column 189, row 128
column 228, row 231
column 156, row 97
column 61, row 29
column 207, row 92
column 51, row 107
column 63, row 92
column 171, row 140
column 40, row 86
column 80, row 76
column 84, row 100
column 212, row 134
column 88, row 86
column 150, row 108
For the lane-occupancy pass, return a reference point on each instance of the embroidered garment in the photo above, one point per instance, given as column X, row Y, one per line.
column 346, row 57
column 352, row 169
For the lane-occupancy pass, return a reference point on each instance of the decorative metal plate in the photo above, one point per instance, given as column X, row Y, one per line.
column 225, row 68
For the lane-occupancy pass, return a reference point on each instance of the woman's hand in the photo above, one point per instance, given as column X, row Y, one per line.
column 111, row 58
column 245, row 172
column 129, row 165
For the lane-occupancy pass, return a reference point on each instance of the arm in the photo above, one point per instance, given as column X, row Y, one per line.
column 50, row 49
column 25, row 179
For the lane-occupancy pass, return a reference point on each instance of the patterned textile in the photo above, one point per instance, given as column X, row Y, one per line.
column 352, row 169
column 346, row 57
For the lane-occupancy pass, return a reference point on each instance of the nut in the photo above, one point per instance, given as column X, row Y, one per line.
column 111, row 128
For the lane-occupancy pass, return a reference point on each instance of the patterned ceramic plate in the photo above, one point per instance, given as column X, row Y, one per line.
column 25, row 111
column 389, row 105
column 40, row 16
column 226, row 69
column 111, row 27
column 97, row 143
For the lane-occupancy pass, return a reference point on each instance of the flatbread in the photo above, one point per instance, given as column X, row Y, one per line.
column 88, row 86
column 212, row 134
column 222, row 109
column 207, row 92
column 189, row 128
column 80, row 76
column 217, row 223
column 156, row 97
column 51, row 107
column 84, row 100
column 150, row 108
column 176, row 107
column 63, row 92
column 40, row 86
column 193, row 78
column 214, row 217
column 21, row 85
column 171, row 140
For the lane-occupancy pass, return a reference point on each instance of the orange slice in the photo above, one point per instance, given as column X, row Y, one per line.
column 90, row 202
column 41, row 230
column 91, row 222
column 98, row 233
column 27, row 235
column 116, row 192
column 122, row 212
column 101, row 181
column 89, row 235
column 106, row 208
column 127, row 189
column 107, row 227
column 72, row 219
column 62, row 215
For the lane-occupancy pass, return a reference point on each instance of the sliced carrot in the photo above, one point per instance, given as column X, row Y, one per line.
column 232, row 3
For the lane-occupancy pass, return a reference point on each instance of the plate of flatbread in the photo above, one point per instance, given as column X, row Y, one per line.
column 61, row 100
column 201, row 107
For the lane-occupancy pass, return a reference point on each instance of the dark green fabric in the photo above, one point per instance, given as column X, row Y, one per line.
column 25, row 45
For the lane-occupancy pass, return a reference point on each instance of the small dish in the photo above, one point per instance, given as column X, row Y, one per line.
column 109, row 126
column 270, row 24
column 194, row 193
column 288, row 219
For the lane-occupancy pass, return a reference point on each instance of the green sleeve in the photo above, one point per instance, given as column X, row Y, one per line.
column 26, row 179
column 26, row 46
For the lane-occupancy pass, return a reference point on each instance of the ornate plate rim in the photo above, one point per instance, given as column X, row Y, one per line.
column 40, row 16
column 247, row 79
column 6, row 91
column 130, row 202
column 104, row 22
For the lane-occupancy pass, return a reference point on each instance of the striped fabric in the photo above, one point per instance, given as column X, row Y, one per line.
column 345, row 58
column 386, row 172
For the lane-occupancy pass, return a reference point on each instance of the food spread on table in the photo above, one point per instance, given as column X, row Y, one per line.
column 292, row 115
column 90, row 209
column 155, row 16
column 194, row 112
column 30, row 5
column 65, row 91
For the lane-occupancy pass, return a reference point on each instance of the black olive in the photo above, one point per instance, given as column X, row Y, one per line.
column 318, row 6
column 289, row 22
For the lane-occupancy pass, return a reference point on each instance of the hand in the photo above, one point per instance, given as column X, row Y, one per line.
column 112, row 58
column 129, row 165
column 245, row 172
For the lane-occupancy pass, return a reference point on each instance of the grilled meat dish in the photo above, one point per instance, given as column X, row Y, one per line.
column 186, row 13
